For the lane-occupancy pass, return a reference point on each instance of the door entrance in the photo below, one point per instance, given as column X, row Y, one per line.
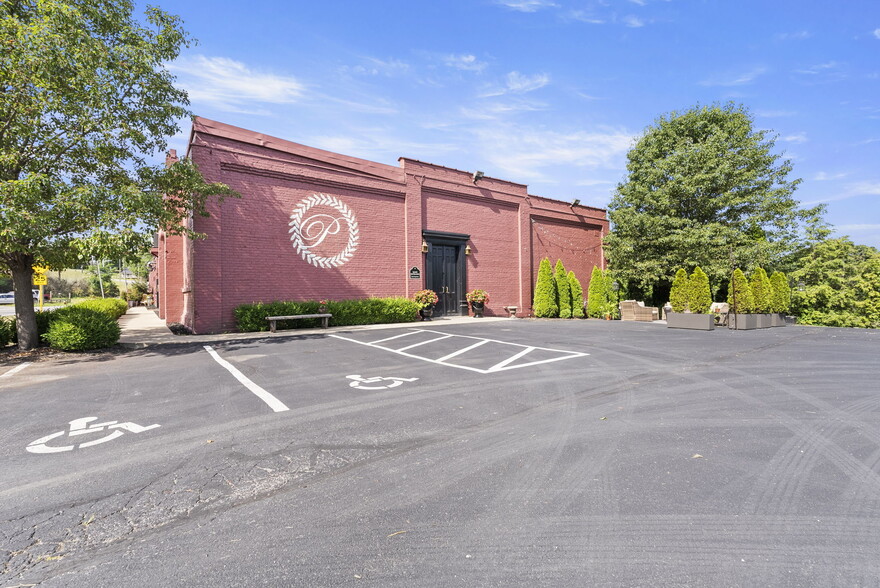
column 444, row 271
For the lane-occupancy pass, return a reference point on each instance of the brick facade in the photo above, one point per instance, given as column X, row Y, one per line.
column 313, row 224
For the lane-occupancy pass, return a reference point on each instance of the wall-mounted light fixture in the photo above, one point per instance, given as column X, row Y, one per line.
column 478, row 175
column 467, row 249
column 576, row 202
column 424, row 246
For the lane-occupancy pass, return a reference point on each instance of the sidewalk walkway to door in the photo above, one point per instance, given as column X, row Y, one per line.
column 141, row 327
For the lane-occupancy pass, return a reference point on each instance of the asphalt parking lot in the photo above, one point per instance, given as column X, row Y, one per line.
column 528, row 453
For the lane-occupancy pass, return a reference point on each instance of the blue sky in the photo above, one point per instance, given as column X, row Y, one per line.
column 548, row 93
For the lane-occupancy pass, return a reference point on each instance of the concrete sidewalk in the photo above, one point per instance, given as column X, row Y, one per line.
column 142, row 327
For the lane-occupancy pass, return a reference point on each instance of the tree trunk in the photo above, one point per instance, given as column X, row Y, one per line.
column 25, row 319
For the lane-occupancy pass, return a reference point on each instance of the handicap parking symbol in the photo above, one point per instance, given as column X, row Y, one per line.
column 381, row 383
column 79, row 427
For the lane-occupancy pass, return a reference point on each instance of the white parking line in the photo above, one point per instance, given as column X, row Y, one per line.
column 425, row 342
column 273, row 402
column 16, row 369
column 497, row 367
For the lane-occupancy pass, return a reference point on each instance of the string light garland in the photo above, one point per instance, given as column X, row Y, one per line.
column 563, row 242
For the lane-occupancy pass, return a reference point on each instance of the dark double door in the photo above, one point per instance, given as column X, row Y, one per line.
column 444, row 277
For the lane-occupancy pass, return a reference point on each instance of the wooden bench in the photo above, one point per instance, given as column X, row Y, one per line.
column 325, row 319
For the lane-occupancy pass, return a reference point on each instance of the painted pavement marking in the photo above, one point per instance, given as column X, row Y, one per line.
column 503, row 365
column 266, row 397
column 81, row 426
column 16, row 369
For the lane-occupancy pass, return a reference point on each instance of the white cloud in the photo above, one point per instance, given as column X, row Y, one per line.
column 372, row 66
column 523, row 152
column 877, row 33
column 589, row 18
column 517, row 83
column 796, row 138
column 734, row 79
column 633, row 21
column 857, row 228
column 853, row 190
column 819, row 68
column 825, row 177
column 526, row 5
column 465, row 62
column 497, row 110
column 797, row 36
column 232, row 86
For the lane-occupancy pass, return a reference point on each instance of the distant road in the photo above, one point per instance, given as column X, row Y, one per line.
column 9, row 309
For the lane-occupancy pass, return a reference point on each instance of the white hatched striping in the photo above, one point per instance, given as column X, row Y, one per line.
column 498, row 367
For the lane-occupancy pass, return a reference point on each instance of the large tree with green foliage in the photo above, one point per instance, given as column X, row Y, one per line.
column 703, row 185
column 838, row 285
column 85, row 99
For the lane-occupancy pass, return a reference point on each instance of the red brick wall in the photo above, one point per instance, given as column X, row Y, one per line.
column 249, row 257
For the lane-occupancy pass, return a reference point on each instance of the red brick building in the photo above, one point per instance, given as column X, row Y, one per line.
column 313, row 224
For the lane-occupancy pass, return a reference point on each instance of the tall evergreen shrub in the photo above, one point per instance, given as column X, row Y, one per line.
column 678, row 294
column 597, row 295
column 761, row 291
column 544, row 304
column 577, row 296
column 699, row 292
column 563, row 290
column 780, row 297
column 739, row 293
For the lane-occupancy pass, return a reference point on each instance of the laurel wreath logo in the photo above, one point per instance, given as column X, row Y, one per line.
column 296, row 236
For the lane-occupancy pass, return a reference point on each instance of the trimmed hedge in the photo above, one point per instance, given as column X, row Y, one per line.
column 112, row 307
column 699, row 292
column 577, row 296
column 80, row 328
column 780, row 297
column 739, row 294
column 678, row 294
column 367, row 311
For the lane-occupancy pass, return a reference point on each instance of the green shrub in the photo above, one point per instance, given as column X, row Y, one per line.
column 79, row 328
column 598, row 302
column 678, row 294
column 112, row 307
column 7, row 328
column 563, row 290
column 780, row 296
column 43, row 319
column 761, row 291
column 577, row 296
column 739, row 293
column 367, row 311
column 544, row 305
column 699, row 292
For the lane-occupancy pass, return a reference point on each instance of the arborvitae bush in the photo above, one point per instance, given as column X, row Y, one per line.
column 598, row 304
column 577, row 296
column 77, row 328
column 563, row 290
column 544, row 304
column 761, row 291
column 699, row 292
column 780, row 297
column 678, row 294
column 739, row 293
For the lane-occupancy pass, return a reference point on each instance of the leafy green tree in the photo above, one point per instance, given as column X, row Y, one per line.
column 780, row 293
column 544, row 304
column 563, row 290
column 85, row 97
column 101, row 282
column 739, row 293
column 699, row 292
column 761, row 291
column 598, row 303
column 678, row 294
column 839, row 285
column 577, row 296
column 703, row 186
